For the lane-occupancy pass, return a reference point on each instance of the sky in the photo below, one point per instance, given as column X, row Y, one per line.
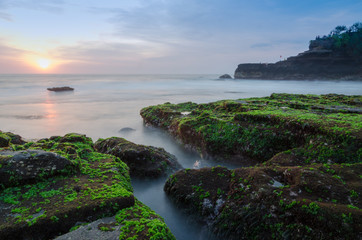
column 160, row 36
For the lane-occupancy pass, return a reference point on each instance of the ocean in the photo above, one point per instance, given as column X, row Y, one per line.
column 101, row 105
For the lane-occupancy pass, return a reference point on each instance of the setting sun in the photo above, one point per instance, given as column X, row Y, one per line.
column 43, row 63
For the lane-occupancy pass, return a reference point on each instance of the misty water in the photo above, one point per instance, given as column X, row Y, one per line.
column 101, row 105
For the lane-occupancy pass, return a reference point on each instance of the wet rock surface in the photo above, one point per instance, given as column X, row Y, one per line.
column 305, row 165
column 273, row 202
column 25, row 166
column 254, row 130
column 102, row 229
column 143, row 161
column 95, row 186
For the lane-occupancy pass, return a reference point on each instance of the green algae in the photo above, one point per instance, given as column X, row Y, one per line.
column 300, row 206
column 325, row 128
column 98, row 185
column 140, row 222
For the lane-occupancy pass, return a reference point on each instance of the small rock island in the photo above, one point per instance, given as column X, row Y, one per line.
column 337, row 56
column 60, row 89
column 225, row 76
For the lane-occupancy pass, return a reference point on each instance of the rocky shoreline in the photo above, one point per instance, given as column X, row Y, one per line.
column 301, row 174
column 57, row 185
column 333, row 57
column 304, row 158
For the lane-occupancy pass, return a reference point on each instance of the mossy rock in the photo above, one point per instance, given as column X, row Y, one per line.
column 4, row 140
column 317, row 128
column 143, row 161
column 136, row 222
column 48, row 207
column 318, row 201
column 18, row 167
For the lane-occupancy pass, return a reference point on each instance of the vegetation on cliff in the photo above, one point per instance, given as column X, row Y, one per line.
column 344, row 40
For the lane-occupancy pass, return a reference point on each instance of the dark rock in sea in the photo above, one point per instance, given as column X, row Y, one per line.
column 327, row 58
column 225, row 76
column 60, row 89
column 143, row 161
column 126, row 130
column 26, row 166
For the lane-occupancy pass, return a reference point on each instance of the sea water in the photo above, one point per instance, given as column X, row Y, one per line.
column 101, row 105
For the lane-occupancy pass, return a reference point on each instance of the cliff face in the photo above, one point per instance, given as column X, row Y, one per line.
column 321, row 61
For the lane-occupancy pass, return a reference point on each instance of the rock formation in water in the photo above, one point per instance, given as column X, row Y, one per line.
column 303, row 158
column 56, row 185
column 60, row 89
column 225, row 76
column 143, row 161
column 336, row 56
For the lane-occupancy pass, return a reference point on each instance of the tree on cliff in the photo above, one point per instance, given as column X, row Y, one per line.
column 344, row 40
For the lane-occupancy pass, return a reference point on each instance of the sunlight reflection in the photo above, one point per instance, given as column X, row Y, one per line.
column 50, row 114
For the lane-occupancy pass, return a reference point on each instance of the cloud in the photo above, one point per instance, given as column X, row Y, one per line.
column 10, row 52
column 5, row 16
column 12, row 59
column 54, row 6
column 97, row 51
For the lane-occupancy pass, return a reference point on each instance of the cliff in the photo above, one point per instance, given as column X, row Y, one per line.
column 334, row 56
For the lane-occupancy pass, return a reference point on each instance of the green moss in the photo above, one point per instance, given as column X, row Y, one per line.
column 98, row 183
column 315, row 128
column 140, row 222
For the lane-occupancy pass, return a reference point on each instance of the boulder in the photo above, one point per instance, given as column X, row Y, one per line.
column 225, row 76
column 26, row 166
column 143, row 161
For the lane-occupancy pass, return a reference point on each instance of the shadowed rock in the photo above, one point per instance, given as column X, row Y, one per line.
column 24, row 166
column 307, row 202
column 4, row 140
column 143, row 161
